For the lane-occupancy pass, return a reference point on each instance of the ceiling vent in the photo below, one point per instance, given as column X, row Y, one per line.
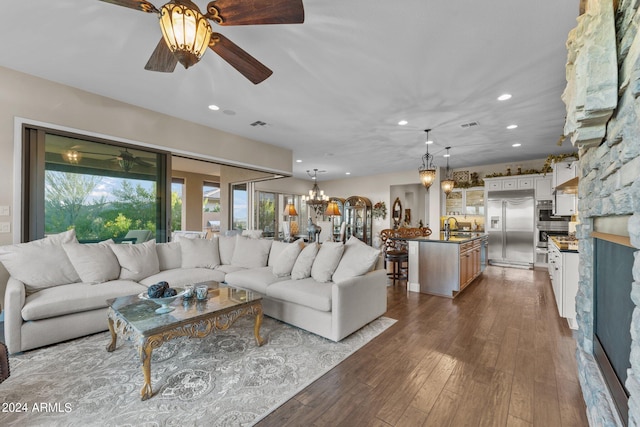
column 258, row 123
column 469, row 125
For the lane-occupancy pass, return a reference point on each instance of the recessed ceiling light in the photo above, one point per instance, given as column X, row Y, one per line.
column 504, row 97
column 428, row 141
column 512, row 126
column 214, row 107
column 347, row 173
column 298, row 161
column 403, row 122
column 446, row 155
column 517, row 144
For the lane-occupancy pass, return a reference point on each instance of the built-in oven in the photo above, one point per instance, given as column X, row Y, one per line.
column 547, row 225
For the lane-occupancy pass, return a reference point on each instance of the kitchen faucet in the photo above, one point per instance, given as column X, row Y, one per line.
column 447, row 226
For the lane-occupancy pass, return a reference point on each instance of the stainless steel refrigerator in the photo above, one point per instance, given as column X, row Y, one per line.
column 510, row 225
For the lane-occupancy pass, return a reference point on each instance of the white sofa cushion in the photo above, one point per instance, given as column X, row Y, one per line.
column 276, row 248
column 41, row 264
column 287, row 258
column 251, row 253
column 200, row 253
column 137, row 261
column 302, row 267
column 326, row 261
column 75, row 297
column 94, row 262
column 226, row 246
column 169, row 255
column 178, row 277
column 358, row 258
column 255, row 279
column 307, row 292
column 229, row 268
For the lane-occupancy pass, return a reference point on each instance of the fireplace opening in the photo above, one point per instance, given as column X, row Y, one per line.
column 613, row 309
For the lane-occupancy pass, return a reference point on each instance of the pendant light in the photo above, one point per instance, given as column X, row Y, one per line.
column 427, row 171
column 448, row 183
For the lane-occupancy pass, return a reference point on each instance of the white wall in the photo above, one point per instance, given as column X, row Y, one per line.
column 42, row 101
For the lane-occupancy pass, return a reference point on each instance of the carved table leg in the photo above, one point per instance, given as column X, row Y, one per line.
column 256, row 327
column 145, row 357
column 112, row 345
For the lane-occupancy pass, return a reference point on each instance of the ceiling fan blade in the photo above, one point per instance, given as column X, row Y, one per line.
column 246, row 64
column 256, row 12
column 142, row 5
column 162, row 59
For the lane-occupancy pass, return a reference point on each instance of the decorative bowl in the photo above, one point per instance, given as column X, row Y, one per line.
column 163, row 302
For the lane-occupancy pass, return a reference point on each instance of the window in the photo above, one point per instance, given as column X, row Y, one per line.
column 102, row 189
column 211, row 206
column 266, row 213
column 240, row 206
column 177, row 203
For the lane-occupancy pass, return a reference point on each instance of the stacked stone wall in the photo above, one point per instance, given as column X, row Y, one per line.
column 609, row 186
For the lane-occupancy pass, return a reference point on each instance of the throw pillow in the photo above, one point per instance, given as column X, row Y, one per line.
column 276, row 249
column 169, row 255
column 226, row 245
column 202, row 253
column 326, row 261
column 302, row 267
column 284, row 263
column 94, row 262
column 358, row 259
column 137, row 261
column 251, row 253
column 41, row 264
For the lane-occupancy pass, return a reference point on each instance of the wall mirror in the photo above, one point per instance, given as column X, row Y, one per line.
column 396, row 212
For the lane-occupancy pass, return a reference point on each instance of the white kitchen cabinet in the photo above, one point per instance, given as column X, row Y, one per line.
column 564, row 204
column 513, row 182
column 543, row 187
column 563, row 172
column 563, row 272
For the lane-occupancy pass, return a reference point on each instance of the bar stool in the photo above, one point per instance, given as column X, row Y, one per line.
column 396, row 254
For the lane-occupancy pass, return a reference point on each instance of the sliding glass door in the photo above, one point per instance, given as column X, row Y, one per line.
column 102, row 189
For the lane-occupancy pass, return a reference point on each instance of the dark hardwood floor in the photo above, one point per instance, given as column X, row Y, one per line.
column 497, row 355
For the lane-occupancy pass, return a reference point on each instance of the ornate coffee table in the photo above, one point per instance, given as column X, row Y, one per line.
column 135, row 319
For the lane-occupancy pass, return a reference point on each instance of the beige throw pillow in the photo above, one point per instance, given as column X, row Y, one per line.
column 169, row 255
column 200, row 253
column 226, row 246
column 94, row 262
column 302, row 267
column 41, row 264
column 251, row 253
column 287, row 258
column 137, row 261
column 358, row 259
column 326, row 261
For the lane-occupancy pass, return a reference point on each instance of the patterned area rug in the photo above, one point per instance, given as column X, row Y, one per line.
column 221, row 380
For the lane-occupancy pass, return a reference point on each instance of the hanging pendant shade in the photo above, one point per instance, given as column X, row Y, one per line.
column 448, row 183
column 427, row 171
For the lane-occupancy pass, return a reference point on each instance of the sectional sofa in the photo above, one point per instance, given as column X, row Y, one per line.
column 58, row 287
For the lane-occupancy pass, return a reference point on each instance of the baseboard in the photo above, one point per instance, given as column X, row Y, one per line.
column 413, row 287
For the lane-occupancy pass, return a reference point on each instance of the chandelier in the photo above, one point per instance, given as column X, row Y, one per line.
column 185, row 30
column 448, row 183
column 427, row 171
column 316, row 198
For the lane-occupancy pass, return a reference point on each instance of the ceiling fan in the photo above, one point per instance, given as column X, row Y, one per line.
column 186, row 32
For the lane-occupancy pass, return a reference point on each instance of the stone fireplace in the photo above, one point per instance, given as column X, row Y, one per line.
column 603, row 86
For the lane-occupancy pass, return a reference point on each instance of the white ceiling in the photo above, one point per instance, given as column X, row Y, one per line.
column 341, row 81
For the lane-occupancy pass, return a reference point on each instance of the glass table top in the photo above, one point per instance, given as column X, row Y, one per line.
column 141, row 314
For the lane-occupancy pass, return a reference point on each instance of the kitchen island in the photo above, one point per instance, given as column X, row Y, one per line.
column 443, row 264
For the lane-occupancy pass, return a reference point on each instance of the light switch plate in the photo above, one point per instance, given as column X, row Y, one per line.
column 5, row 211
column 5, row 227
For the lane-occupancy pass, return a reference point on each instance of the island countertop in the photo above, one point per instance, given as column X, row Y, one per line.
column 454, row 237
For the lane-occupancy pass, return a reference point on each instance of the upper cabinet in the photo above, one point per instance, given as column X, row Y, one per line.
column 544, row 187
column 465, row 201
column 563, row 172
column 565, row 188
